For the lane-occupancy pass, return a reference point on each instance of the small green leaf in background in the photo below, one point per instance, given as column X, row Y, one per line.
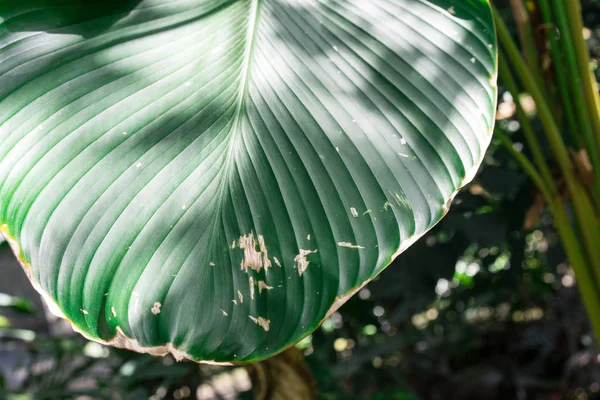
column 17, row 304
column 4, row 322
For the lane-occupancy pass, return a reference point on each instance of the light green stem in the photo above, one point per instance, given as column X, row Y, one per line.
column 506, row 77
column 574, row 72
column 526, row 37
column 590, row 86
column 561, row 75
column 585, row 278
column 586, row 217
column 540, row 182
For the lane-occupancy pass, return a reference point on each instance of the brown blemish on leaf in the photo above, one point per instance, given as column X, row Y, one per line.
column 301, row 261
column 494, row 78
column 224, row 313
column 277, row 261
column 262, row 322
column 122, row 341
column 354, row 212
column 241, row 297
column 253, row 258
column 263, row 286
column 156, row 308
column 340, row 300
column 251, row 283
column 350, row 245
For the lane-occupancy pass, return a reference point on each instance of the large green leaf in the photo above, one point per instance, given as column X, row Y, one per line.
column 211, row 178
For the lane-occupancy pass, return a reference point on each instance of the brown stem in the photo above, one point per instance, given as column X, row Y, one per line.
column 283, row 377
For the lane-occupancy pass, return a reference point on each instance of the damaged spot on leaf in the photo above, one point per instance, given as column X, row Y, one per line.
column 301, row 261
column 253, row 258
column 350, row 245
column 262, row 322
column 263, row 286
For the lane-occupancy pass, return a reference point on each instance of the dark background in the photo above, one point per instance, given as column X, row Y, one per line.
column 483, row 307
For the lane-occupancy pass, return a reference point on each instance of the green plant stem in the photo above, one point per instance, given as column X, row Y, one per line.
column 546, row 190
column 562, row 83
column 585, row 278
column 573, row 71
column 525, row 30
column 590, row 86
column 586, row 217
column 519, row 66
column 506, row 77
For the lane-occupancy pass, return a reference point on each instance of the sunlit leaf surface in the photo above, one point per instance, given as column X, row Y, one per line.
column 212, row 177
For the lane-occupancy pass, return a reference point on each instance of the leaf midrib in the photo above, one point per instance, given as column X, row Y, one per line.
column 235, row 130
column 247, row 62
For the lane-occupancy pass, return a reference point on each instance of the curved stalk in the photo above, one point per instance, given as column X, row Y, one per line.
column 561, row 74
column 573, row 71
column 573, row 63
column 585, row 278
column 585, row 214
column 506, row 77
column 529, row 168
column 590, row 87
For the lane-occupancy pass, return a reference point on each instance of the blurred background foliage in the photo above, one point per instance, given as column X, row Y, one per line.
column 484, row 307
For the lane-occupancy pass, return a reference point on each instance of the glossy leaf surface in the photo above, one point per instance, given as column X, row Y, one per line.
column 212, row 177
